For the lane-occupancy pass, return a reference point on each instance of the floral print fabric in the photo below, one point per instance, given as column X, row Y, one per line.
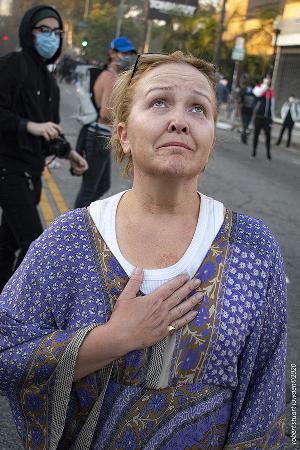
column 226, row 383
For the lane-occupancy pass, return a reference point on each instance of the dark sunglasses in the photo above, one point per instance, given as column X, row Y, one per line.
column 139, row 56
column 46, row 31
column 144, row 55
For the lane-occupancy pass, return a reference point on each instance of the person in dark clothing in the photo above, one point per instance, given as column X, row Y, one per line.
column 263, row 114
column 248, row 101
column 222, row 92
column 94, row 138
column 290, row 113
column 29, row 131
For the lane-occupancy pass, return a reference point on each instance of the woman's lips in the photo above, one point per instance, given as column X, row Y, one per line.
column 176, row 144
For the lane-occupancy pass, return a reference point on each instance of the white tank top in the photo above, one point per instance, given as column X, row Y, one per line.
column 210, row 220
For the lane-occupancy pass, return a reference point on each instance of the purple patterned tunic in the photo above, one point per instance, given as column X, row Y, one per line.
column 226, row 383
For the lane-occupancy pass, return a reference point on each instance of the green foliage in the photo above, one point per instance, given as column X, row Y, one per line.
column 256, row 67
column 267, row 13
column 197, row 34
column 69, row 9
column 101, row 29
column 101, row 25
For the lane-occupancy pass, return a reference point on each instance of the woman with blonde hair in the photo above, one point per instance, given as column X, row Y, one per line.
column 156, row 318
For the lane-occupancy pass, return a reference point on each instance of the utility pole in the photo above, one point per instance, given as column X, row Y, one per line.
column 220, row 33
column 277, row 26
column 148, row 36
column 147, row 28
column 120, row 15
column 86, row 9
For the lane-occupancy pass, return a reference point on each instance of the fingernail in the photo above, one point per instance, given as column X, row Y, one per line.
column 199, row 295
column 197, row 282
column 137, row 271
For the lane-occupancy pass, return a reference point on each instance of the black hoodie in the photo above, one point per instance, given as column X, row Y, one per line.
column 28, row 92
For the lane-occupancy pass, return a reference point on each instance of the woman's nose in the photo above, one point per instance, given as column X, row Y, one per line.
column 178, row 123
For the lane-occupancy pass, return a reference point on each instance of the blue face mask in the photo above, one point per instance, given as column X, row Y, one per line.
column 46, row 46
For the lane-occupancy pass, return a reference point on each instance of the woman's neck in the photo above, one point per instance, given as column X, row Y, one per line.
column 163, row 198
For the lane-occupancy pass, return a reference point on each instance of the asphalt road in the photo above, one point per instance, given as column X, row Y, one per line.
column 268, row 190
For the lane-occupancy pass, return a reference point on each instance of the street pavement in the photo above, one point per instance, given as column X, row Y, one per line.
column 257, row 187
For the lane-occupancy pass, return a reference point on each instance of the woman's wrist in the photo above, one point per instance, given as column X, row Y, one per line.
column 117, row 340
column 100, row 347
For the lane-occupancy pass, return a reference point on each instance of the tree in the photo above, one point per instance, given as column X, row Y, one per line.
column 101, row 28
column 258, row 38
column 196, row 34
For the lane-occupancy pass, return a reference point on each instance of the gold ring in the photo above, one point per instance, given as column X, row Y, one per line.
column 171, row 329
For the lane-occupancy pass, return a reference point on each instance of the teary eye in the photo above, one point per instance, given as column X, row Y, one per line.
column 198, row 108
column 159, row 103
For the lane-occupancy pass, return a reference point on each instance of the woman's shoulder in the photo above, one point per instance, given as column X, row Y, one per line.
column 252, row 232
column 72, row 221
column 248, row 230
column 63, row 233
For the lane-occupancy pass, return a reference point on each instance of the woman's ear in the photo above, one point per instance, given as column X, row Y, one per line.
column 122, row 135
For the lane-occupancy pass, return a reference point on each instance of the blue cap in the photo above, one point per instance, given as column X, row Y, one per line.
column 122, row 44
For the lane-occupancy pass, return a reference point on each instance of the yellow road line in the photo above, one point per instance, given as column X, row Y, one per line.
column 58, row 198
column 46, row 209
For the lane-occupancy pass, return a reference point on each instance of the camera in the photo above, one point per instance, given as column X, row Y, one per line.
column 59, row 147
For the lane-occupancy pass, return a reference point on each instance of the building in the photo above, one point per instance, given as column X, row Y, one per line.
column 286, row 76
column 252, row 19
column 271, row 28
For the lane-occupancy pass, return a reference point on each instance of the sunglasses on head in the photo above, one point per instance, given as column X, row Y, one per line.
column 141, row 56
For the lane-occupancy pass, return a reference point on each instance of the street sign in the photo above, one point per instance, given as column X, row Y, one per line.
column 155, row 14
column 238, row 53
column 239, row 42
column 176, row 7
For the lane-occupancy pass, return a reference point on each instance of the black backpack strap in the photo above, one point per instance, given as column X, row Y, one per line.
column 94, row 74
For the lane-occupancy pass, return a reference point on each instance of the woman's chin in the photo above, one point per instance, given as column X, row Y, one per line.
column 175, row 169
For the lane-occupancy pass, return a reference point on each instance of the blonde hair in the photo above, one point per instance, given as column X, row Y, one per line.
column 125, row 86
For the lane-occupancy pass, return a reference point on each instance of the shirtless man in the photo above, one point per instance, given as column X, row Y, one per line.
column 96, row 180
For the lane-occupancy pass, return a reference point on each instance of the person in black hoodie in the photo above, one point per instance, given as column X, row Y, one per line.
column 29, row 131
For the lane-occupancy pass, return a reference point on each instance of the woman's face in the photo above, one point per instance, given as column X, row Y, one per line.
column 171, row 128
